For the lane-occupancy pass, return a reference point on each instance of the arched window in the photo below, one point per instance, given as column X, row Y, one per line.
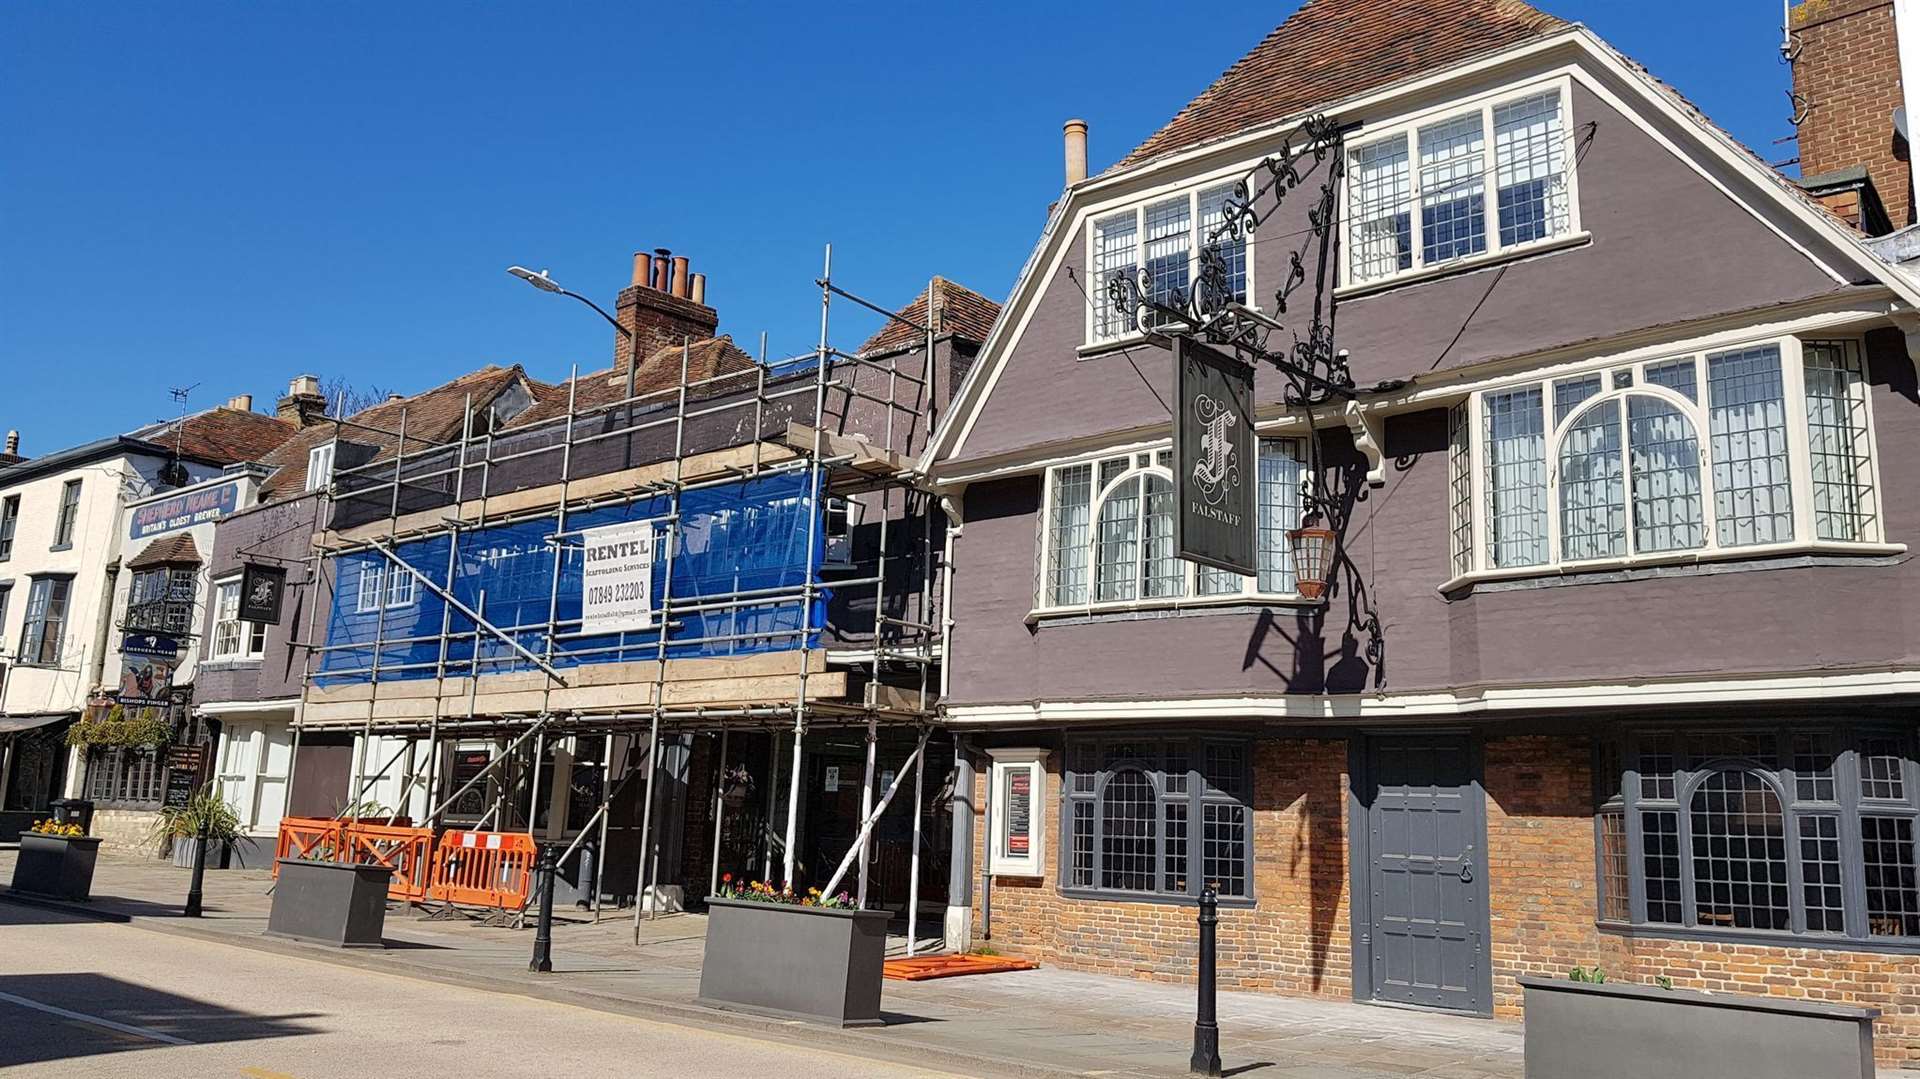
column 1108, row 535
column 1739, row 852
column 1628, row 477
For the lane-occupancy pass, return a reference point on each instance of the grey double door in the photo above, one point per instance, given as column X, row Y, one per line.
column 1421, row 868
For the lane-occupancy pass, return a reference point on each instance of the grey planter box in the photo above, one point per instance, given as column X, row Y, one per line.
column 217, row 853
column 56, row 866
column 1575, row 1030
column 794, row 962
column 344, row 905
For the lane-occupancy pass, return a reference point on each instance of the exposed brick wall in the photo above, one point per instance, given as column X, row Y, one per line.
column 1296, row 940
column 658, row 320
column 1847, row 72
column 1541, row 845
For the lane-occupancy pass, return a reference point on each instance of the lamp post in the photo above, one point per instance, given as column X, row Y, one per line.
column 545, row 283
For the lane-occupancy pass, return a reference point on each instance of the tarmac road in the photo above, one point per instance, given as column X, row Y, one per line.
column 82, row 998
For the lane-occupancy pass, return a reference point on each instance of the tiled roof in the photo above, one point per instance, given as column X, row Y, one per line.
column 1331, row 50
column 957, row 310
column 222, row 435
column 435, row 415
column 175, row 550
column 706, row 359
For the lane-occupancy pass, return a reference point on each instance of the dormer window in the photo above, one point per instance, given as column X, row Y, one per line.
column 1165, row 237
column 1460, row 184
column 320, row 466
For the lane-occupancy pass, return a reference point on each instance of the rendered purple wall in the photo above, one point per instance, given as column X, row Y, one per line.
column 1667, row 247
column 1725, row 619
column 276, row 534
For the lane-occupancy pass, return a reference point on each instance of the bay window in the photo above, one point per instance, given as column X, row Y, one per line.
column 1164, row 238
column 1800, row 832
column 1485, row 178
column 1107, row 533
column 1725, row 451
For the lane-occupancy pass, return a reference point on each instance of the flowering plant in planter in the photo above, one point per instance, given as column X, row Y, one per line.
column 55, row 828
column 760, row 891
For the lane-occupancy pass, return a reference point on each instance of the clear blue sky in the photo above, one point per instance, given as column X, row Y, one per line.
column 230, row 194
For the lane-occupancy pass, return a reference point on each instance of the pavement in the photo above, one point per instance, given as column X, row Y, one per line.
column 1043, row 1022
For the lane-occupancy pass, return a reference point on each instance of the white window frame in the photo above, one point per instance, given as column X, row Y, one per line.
column 1096, row 285
column 838, row 520
column 1007, row 764
column 1473, row 564
column 233, row 637
column 1190, row 595
column 398, row 588
column 1407, row 128
column 320, row 465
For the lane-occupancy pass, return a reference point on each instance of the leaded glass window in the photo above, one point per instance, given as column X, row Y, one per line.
column 1784, row 831
column 1164, row 239
column 1157, row 816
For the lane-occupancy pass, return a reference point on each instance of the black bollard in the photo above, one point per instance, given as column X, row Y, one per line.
column 192, row 909
column 543, row 931
column 1206, row 1032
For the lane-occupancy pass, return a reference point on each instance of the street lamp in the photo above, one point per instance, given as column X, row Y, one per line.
column 547, row 284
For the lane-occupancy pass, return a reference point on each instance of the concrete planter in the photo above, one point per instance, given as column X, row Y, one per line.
column 794, row 962
column 330, row 903
column 56, row 866
column 1576, row 1030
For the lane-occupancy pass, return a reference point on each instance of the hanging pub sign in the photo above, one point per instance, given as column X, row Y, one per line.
column 1214, row 462
column 616, row 579
column 260, row 590
column 147, row 681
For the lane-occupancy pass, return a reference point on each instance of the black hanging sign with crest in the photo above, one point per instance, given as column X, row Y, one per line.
column 261, row 588
column 1215, row 469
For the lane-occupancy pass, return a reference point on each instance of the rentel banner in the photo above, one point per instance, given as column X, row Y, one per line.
column 1214, row 462
column 616, row 580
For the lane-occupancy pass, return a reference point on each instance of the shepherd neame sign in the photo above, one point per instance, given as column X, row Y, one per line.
column 616, row 583
column 184, row 510
column 1213, row 479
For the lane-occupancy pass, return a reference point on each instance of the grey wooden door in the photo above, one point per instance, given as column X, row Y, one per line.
column 1426, row 873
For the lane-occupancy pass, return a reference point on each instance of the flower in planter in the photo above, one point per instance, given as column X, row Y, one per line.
column 760, row 891
column 55, row 828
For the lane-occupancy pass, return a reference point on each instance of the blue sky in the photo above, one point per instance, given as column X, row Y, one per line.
column 231, row 194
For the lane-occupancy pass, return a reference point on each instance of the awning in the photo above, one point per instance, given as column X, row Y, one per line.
column 32, row 721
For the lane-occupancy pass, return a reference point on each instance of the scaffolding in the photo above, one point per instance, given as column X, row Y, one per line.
column 828, row 425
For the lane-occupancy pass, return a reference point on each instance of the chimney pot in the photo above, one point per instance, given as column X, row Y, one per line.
column 662, row 269
column 1076, row 146
column 699, row 287
column 241, row 402
column 302, row 384
column 642, row 268
column 13, row 444
column 304, row 404
column 680, row 276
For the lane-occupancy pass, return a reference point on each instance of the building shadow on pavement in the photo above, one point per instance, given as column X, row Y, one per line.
column 50, row 1017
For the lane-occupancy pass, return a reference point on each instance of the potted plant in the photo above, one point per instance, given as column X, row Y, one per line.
column 736, row 786
column 56, row 860
column 1585, row 1025
column 206, row 813
column 775, row 952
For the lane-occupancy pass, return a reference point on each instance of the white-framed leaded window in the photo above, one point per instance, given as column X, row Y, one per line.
column 1164, row 237
column 380, row 583
column 1729, row 451
column 1460, row 183
column 1106, row 534
column 233, row 638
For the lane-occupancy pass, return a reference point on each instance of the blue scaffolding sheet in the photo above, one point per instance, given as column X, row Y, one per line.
column 747, row 537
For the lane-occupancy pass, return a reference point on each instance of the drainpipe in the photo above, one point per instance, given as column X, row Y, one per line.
column 104, row 624
column 951, row 505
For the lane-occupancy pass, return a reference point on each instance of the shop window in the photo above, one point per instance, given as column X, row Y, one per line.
column 1805, row 834
column 1157, row 817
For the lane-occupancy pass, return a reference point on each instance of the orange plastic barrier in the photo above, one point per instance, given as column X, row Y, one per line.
column 406, row 851
column 922, row 968
column 483, row 869
column 311, row 838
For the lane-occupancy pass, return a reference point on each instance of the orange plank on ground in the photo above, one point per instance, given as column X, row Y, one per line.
column 952, row 966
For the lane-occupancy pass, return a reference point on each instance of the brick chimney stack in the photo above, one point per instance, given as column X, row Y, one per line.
column 304, row 404
column 1846, row 85
column 664, row 303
